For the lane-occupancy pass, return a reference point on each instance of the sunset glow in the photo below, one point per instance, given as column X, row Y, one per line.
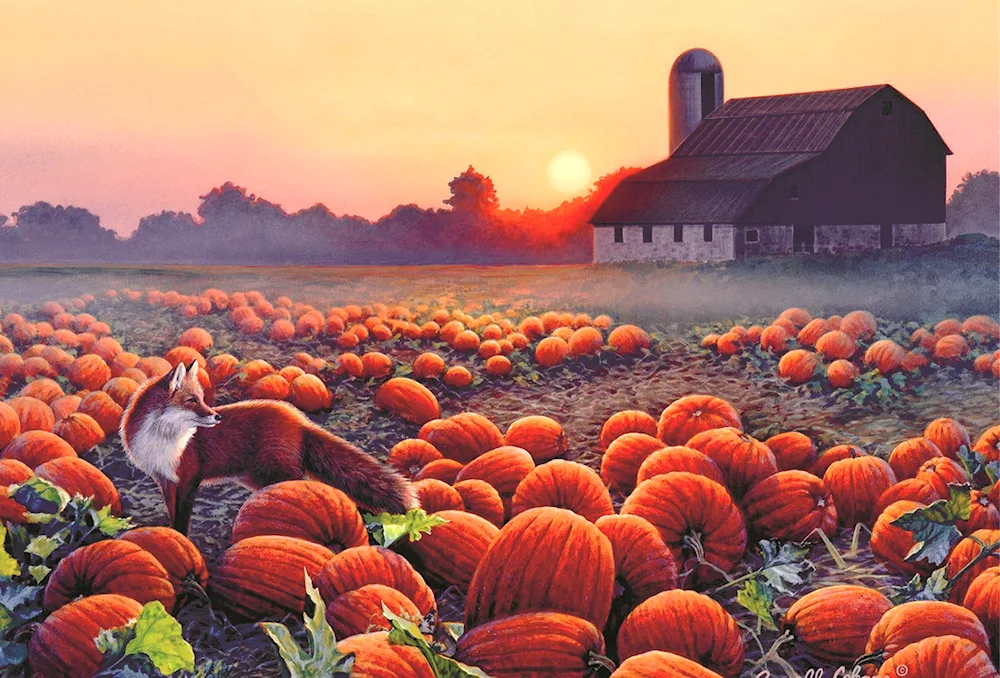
column 131, row 108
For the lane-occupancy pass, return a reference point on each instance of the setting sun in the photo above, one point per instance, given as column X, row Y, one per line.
column 569, row 172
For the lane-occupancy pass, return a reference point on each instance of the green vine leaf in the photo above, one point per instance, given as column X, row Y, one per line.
column 388, row 528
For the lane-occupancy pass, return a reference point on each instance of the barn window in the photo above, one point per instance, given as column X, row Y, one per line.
column 619, row 234
column 647, row 234
column 678, row 233
column 708, row 232
column 793, row 191
column 752, row 235
column 887, row 108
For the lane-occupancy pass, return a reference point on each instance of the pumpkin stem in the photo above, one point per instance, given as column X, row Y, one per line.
column 872, row 658
column 984, row 553
column 601, row 666
column 194, row 589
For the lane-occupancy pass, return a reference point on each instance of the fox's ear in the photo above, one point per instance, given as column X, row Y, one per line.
column 192, row 370
column 178, row 377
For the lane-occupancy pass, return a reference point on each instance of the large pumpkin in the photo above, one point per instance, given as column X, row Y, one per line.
column 563, row 564
column 33, row 414
column 690, row 415
column 360, row 610
column 542, row 437
column 679, row 458
column 938, row 657
column 856, row 484
column 452, row 552
column 790, row 506
column 624, row 457
column 833, row 623
column 533, row 645
column 710, row 635
column 436, row 495
column 504, row 468
column 13, row 472
column 109, row 566
column 262, row 577
column 408, row 400
column 481, row 499
column 362, row 565
column 563, row 484
column 551, row 351
column 910, row 489
column 305, row 509
column 940, row 472
column 462, row 437
column 626, row 421
column 666, row 502
column 912, row 622
column 179, row 556
column 89, row 372
column 63, row 645
column 77, row 476
column 743, row 460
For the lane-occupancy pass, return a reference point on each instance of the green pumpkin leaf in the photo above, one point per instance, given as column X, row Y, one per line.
column 933, row 527
column 109, row 525
column 405, row 632
column 971, row 460
column 39, row 572
column 388, row 528
column 758, row 598
column 43, row 546
column 42, row 500
column 158, row 636
column 9, row 567
column 114, row 640
column 935, row 587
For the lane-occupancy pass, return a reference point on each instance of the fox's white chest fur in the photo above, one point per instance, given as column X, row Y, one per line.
column 157, row 446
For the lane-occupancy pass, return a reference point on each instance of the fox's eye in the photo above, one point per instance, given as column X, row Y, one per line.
column 190, row 400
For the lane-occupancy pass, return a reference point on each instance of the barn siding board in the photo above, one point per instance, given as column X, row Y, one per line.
column 911, row 235
column 663, row 247
column 771, row 239
column 836, row 238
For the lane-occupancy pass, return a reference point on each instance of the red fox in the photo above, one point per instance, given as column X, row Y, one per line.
column 172, row 435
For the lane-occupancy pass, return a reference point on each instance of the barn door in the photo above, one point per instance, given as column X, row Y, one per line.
column 885, row 236
column 804, row 239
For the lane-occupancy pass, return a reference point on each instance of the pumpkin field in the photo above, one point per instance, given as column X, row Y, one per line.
column 691, row 471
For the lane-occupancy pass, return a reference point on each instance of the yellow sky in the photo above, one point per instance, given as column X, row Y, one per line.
column 128, row 108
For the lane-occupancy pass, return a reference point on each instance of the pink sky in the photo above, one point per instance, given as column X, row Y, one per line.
column 130, row 108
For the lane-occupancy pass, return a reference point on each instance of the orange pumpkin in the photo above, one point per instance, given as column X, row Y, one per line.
column 310, row 394
column 360, row 610
column 856, row 484
column 586, row 341
column 962, row 555
column 798, row 366
column 77, row 476
column 408, row 400
column 833, row 623
column 908, row 456
column 453, row 552
column 790, row 506
column 482, row 499
column 948, row 435
column 551, row 351
column 563, row 484
column 462, row 437
column 100, row 407
column 624, row 457
column 836, row 345
column 626, row 421
column 891, row 544
column 842, row 374
column 436, row 495
column 33, row 414
column 885, row 356
column 679, row 458
column 859, row 324
column 363, row 565
column 410, row 455
column 34, row 448
column 773, row 339
column 939, row 656
column 541, row 436
column 792, row 450
column 913, row 621
column 644, row 565
column 179, row 556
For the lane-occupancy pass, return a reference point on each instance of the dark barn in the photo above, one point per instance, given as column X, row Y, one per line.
column 834, row 171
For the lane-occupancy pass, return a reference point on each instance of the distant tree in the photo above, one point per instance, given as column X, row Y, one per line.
column 472, row 193
column 975, row 205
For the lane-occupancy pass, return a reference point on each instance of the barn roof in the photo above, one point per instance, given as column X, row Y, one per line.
column 731, row 155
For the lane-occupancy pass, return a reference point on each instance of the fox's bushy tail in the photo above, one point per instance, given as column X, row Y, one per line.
column 373, row 486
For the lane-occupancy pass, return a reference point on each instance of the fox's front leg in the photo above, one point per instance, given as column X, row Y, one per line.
column 179, row 498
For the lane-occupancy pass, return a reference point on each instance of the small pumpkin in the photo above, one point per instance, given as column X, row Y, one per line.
column 462, row 437
column 891, row 543
column 410, row 455
column 452, row 552
column 982, row 598
column 836, row 345
column 504, row 468
column 942, row 472
column 179, row 556
column 856, row 484
column 100, row 407
column 658, row 664
column 948, row 435
column 626, row 421
column 629, row 340
column 624, row 457
column 908, row 456
column 81, row 431
column 541, row 436
column 445, row 470
column 743, row 460
column 790, row 506
column 77, row 476
column 859, row 324
column 551, row 351
column 798, row 366
column 310, row 394
column 644, row 565
column 360, row 610
column 363, row 565
column 482, row 499
column 408, row 400
column 962, row 555
column 792, row 450
column 679, row 458
column 436, row 495
column 375, row 657
column 910, row 489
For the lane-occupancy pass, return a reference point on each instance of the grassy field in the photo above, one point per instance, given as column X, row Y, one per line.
column 921, row 286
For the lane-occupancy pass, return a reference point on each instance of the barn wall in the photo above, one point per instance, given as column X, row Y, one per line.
column 877, row 170
column 772, row 239
column 663, row 247
column 847, row 238
column 908, row 235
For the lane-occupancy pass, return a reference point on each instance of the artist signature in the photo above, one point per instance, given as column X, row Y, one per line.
column 841, row 672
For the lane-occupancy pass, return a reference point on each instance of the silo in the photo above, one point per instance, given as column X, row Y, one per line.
column 695, row 91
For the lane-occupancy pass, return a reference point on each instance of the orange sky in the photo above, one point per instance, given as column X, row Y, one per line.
column 128, row 110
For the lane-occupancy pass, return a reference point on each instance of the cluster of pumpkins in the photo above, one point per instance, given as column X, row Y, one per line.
column 838, row 347
column 551, row 337
column 591, row 582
